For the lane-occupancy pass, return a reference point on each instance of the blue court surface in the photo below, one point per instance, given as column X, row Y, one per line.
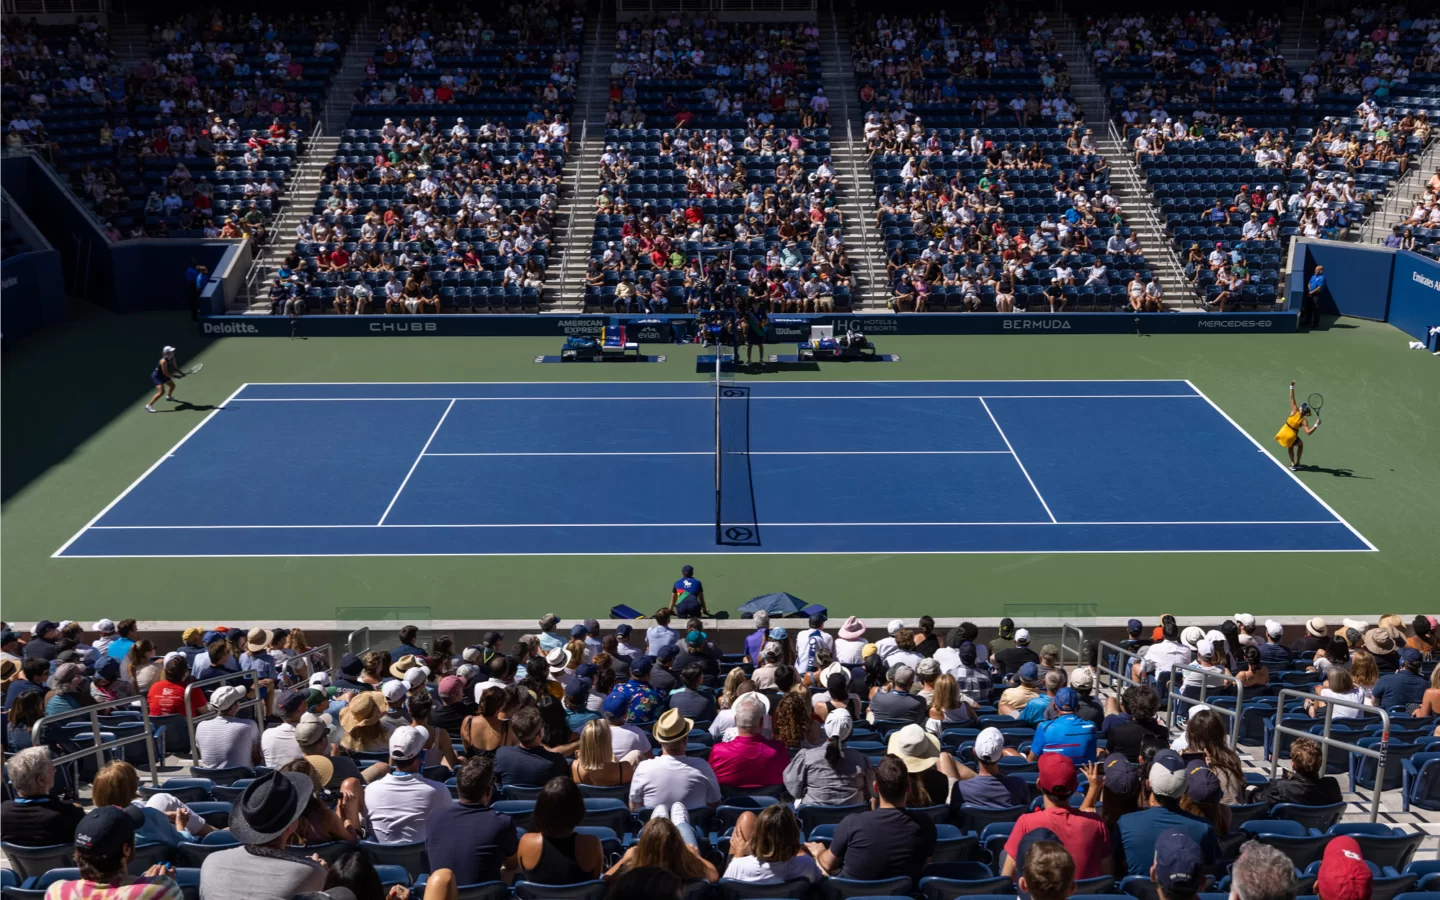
column 809, row 467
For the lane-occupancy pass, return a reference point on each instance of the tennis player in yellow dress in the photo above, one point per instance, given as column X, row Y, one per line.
column 1289, row 434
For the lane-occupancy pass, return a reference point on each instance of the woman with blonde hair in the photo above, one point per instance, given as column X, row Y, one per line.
column 946, row 706
column 138, row 669
column 360, row 718
column 1430, row 702
column 168, row 821
column 595, row 762
column 1364, row 671
column 1338, row 685
column 767, row 848
column 733, row 680
column 662, row 845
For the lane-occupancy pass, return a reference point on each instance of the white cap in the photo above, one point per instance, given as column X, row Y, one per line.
column 839, row 724
column 490, row 685
column 1192, row 636
column 894, row 626
column 1205, row 648
column 990, row 745
column 394, row 691
column 320, row 680
column 1274, row 628
column 171, row 655
column 1245, row 619
column 1217, row 638
column 226, row 696
column 105, row 626
column 65, row 623
column 169, row 349
column 416, row 677
column 407, row 742
column 1022, row 635
column 1355, row 624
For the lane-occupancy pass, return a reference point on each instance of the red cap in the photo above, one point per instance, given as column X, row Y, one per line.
column 1343, row 873
column 1057, row 775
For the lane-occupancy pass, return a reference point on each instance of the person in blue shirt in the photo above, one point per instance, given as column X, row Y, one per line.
column 1067, row 733
column 1310, row 307
column 687, row 596
column 1405, row 687
column 1138, row 831
column 120, row 647
column 407, row 647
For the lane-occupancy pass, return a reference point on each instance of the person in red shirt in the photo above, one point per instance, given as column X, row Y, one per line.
column 1083, row 834
column 339, row 258
column 750, row 760
column 167, row 695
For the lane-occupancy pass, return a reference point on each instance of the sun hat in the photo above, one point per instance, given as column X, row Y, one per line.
column 1355, row 624
column 257, row 641
column 1057, row 774
column 916, row 747
column 672, row 726
column 226, row 696
column 321, row 771
column 361, row 711
column 1167, row 775
column 990, row 745
column 1179, row 864
column 1343, row 874
column 1379, row 641
column 408, row 742
column 1191, row 636
column 269, row 805
column 403, row 665
column 839, row 724
column 852, row 630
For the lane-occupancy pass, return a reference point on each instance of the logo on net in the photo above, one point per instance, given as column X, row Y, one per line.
column 403, row 327
column 230, row 328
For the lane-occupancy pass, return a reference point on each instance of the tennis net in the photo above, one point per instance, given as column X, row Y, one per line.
column 735, row 519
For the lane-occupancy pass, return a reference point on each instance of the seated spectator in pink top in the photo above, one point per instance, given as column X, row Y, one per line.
column 751, row 760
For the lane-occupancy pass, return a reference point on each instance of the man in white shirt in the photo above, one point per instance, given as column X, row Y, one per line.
column 886, row 645
column 809, row 642
column 401, row 803
column 673, row 777
column 1162, row 656
column 278, row 744
column 227, row 741
column 623, row 738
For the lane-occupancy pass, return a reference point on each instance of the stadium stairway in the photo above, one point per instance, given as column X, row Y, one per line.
column 1126, row 180
column 129, row 39
column 852, row 168
column 1300, row 35
column 304, row 191
column 580, row 180
column 1401, row 200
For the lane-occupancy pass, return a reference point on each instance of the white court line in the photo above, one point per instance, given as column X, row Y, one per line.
column 146, row 474
column 1284, row 468
column 686, row 525
column 416, row 463
column 838, row 381
column 706, row 397
column 1018, row 461
column 687, row 554
column 750, row 453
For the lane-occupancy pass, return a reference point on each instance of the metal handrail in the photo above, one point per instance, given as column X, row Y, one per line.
column 1065, row 649
column 570, row 216
column 350, row 644
column 1173, row 696
column 1326, row 741
column 873, row 287
column 1109, row 675
column 192, row 719
column 292, row 193
column 98, row 750
column 1135, row 176
column 321, row 654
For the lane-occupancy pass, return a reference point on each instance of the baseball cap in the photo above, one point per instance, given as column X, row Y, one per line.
column 407, row 742
column 106, row 829
column 7, row 636
column 1121, row 775
column 687, row 570
column 1029, row 672
column 1167, row 775
column 1057, row 774
column 1179, row 864
column 226, row 696
column 351, row 665
column 319, row 680
column 187, row 635
column 839, row 724
column 1274, row 628
column 43, row 626
column 1082, row 678
column 578, row 631
column 107, row 626
column 451, row 686
column 1245, row 619
column 289, row 701
column 579, row 687
column 587, row 670
column 695, row 637
column 592, row 626
column 668, row 652
column 548, row 621
column 108, row 670
column 1201, row 785
column 311, row 728
column 1134, row 626
column 928, row 666
column 642, row 666
column 492, row 638
column 1343, row 873
column 990, row 745
column 1410, row 655
column 623, row 630
column 1066, row 698
column 1032, row 837
column 894, row 626
column 1022, row 635
column 615, row 704
column 394, row 691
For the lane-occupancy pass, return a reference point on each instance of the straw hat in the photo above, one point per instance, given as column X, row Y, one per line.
column 321, row 771
column 362, row 711
column 403, row 665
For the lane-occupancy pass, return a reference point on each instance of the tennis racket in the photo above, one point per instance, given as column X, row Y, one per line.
column 198, row 366
column 1315, row 401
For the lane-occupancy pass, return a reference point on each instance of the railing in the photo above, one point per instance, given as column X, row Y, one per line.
column 252, row 290
column 1399, row 194
column 571, row 217
column 305, row 662
column 1067, row 649
column 1147, row 207
column 873, row 287
column 358, row 641
column 192, row 719
column 37, row 733
column 1174, row 696
column 1108, row 676
column 1326, row 741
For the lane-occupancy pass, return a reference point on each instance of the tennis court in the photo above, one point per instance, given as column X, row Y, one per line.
column 893, row 467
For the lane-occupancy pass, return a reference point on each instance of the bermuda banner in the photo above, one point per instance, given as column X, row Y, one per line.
column 784, row 329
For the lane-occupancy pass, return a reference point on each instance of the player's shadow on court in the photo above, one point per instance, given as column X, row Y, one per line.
column 1337, row 473
column 772, row 367
column 182, row 406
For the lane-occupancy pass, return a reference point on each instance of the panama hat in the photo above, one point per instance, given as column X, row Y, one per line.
column 917, row 748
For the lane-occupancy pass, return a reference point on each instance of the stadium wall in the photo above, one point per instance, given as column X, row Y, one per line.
column 32, row 283
column 1394, row 286
column 783, row 329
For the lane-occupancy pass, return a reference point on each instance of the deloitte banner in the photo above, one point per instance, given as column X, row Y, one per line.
column 783, row 329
